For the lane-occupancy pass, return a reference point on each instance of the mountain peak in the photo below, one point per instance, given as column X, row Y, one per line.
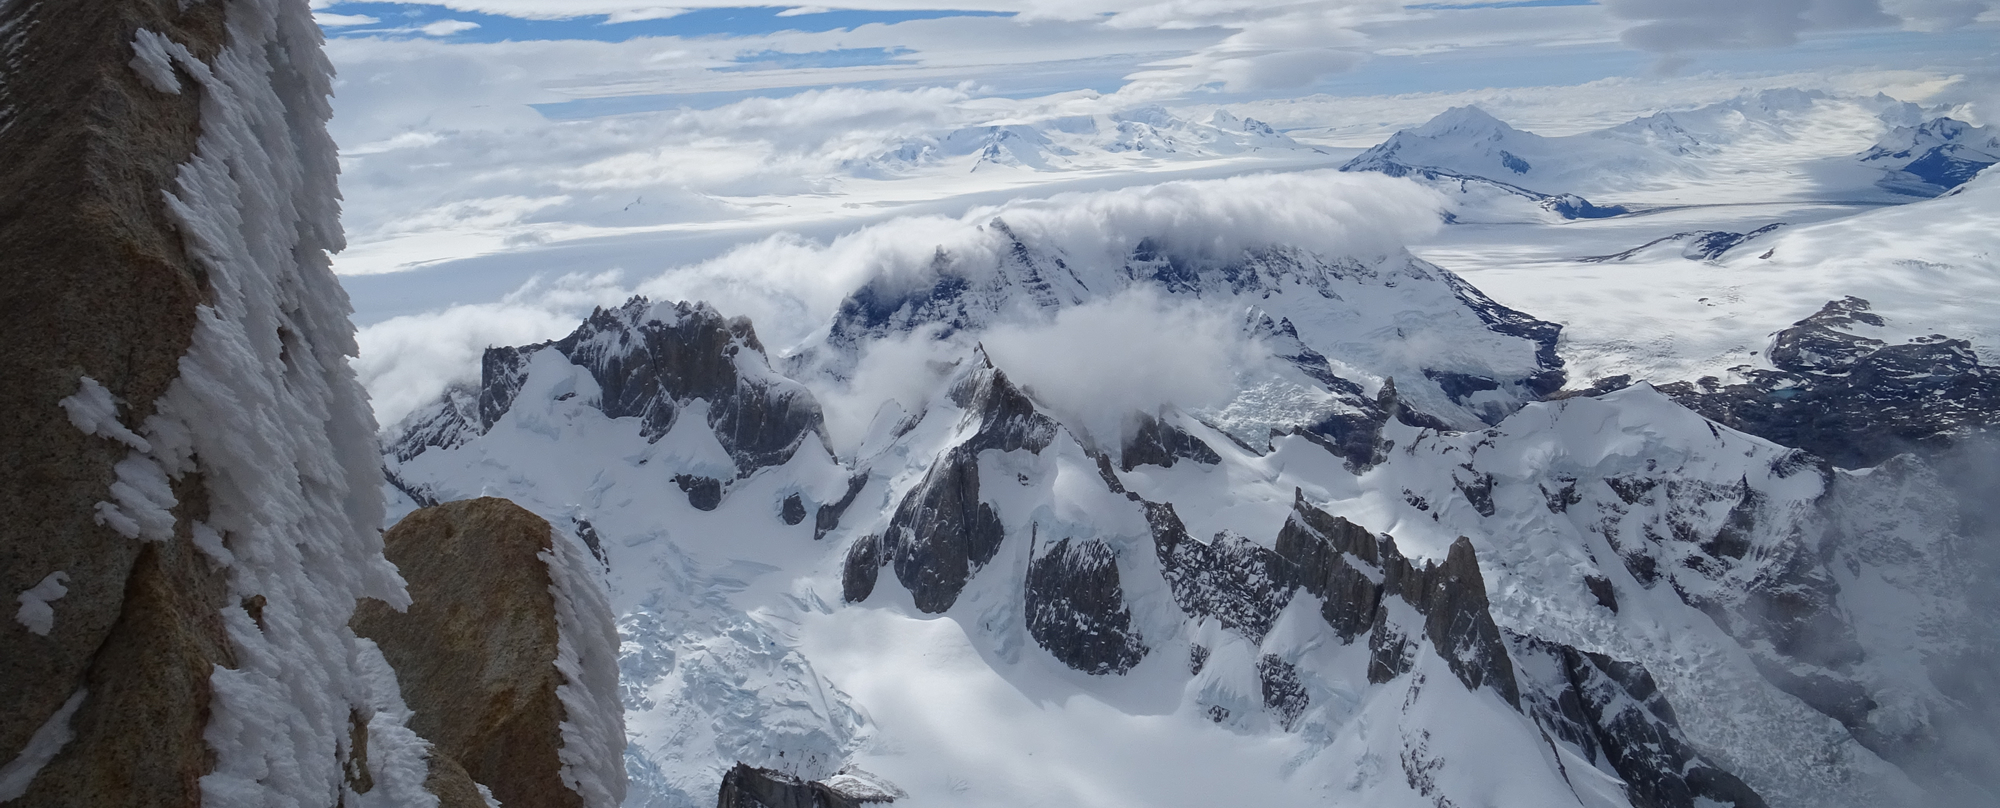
column 1465, row 119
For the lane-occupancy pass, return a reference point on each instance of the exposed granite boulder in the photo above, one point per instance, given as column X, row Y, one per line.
column 1850, row 398
column 861, row 568
column 1076, row 608
column 476, row 653
column 703, row 493
column 828, row 516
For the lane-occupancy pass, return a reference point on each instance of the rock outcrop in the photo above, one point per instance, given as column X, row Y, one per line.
column 942, row 532
column 650, row 362
column 1076, row 608
column 506, row 655
column 1851, row 398
column 1614, row 713
column 747, row 786
column 99, row 286
column 1157, row 442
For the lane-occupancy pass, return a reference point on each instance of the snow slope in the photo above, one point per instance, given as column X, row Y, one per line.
column 1768, row 146
column 990, row 565
column 1927, row 267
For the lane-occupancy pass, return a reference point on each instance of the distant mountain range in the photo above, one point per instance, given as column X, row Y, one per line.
column 1079, row 141
column 1493, row 170
column 1934, row 157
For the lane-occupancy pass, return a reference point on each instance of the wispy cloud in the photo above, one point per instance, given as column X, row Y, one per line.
column 327, row 20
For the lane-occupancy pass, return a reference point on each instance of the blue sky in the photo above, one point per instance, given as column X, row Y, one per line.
column 395, row 18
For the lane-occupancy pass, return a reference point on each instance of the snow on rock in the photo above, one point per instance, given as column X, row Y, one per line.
column 593, row 726
column 213, row 499
column 1386, row 564
column 48, row 740
column 506, row 654
column 154, row 57
column 1496, row 173
column 94, row 410
column 36, row 613
column 1933, row 157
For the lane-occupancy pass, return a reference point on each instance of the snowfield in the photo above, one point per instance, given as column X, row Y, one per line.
column 1274, row 489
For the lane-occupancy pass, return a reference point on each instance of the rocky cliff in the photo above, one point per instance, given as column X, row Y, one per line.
column 190, row 492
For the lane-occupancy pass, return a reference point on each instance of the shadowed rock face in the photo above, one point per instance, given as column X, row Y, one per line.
column 1338, row 561
column 98, row 285
column 942, row 533
column 1852, row 399
column 475, row 653
column 862, row 567
column 750, row 787
column 1159, row 443
column 1076, row 608
column 1613, row 712
column 1232, row 579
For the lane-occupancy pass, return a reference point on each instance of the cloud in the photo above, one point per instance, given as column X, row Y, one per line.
column 343, row 20
column 1273, row 47
column 407, row 361
column 905, row 370
column 1097, row 364
column 1673, row 26
column 790, row 286
column 447, row 27
column 646, row 13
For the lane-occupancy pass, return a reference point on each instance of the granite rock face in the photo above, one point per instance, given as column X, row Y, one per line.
column 1160, row 443
column 476, row 653
column 100, row 286
column 942, row 532
column 1339, row 562
column 1076, row 608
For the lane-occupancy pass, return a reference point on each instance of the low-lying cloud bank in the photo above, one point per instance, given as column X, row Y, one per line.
column 791, row 286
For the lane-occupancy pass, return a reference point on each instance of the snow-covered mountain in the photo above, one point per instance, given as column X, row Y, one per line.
column 1388, row 564
column 1080, row 141
column 1495, row 172
column 1934, row 157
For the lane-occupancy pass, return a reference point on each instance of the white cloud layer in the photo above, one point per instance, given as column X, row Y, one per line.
column 1673, row 26
column 1098, row 363
column 791, row 286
